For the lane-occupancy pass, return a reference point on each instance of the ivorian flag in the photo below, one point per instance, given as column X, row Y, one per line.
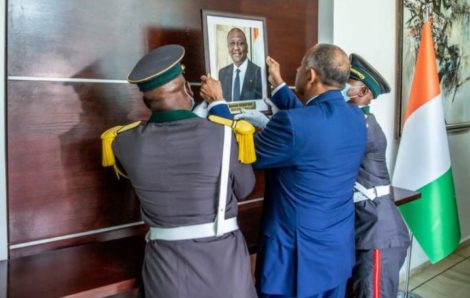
column 423, row 160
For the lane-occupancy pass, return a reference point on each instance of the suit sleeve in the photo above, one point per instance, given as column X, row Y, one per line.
column 285, row 99
column 243, row 177
column 275, row 143
column 221, row 110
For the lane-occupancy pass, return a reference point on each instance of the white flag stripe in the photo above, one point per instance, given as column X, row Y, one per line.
column 423, row 155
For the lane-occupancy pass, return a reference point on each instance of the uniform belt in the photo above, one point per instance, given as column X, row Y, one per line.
column 193, row 231
column 363, row 193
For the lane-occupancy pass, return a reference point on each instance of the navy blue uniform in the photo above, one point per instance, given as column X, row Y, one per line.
column 381, row 235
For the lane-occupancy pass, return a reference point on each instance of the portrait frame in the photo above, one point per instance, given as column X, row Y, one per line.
column 216, row 25
column 453, row 62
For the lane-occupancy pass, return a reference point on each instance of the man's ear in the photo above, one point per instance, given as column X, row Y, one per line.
column 363, row 91
column 312, row 75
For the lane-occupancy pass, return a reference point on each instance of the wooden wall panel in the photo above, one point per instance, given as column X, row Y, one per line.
column 250, row 223
column 58, row 38
column 56, row 184
column 78, row 269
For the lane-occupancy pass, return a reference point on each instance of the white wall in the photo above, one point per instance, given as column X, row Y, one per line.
column 3, row 194
column 325, row 21
column 372, row 36
column 368, row 27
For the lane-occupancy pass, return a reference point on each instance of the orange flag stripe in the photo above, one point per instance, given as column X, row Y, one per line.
column 425, row 84
column 255, row 32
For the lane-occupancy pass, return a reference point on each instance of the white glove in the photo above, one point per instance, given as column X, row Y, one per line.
column 274, row 108
column 201, row 110
column 256, row 118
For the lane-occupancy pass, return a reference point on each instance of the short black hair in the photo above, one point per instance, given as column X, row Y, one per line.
column 330, row 63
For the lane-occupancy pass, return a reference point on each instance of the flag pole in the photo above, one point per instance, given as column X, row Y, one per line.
column 407, row 293
column 434, row 219
column 427, row 12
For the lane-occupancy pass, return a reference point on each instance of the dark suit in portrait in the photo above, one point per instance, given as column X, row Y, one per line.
column 251, row 86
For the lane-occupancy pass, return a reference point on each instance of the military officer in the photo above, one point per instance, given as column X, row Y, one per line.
column 381, row 235
column 187, row 175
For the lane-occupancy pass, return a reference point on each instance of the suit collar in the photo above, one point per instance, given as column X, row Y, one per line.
column 310, row 100
column 332, row 95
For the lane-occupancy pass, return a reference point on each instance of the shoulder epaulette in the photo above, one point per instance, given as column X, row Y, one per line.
column 107, row 139
column 244, row 132
column 129, row 126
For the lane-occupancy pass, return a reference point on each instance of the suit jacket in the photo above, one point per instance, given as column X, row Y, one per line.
column 251, row 88
column 312, row 154
column 174, row 162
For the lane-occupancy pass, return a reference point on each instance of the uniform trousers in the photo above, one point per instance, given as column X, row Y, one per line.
column 376, row 273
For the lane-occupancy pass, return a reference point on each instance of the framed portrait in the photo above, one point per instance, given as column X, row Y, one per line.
column 235, row 49
column 451, row 34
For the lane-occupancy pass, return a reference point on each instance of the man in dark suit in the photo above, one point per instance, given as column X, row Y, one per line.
column 312, row 150
column 242, row 79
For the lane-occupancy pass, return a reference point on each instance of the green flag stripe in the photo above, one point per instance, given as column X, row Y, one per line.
column 433, row 219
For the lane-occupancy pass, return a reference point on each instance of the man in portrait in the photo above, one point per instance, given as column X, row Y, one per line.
column 240, row 80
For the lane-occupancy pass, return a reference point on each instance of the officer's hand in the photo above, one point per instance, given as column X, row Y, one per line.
column 274, row 71
column 211, row 89
column 256, row 118
column 201, row 110
column 274, row 108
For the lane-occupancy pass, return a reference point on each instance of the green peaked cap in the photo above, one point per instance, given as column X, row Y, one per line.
column 158, row 67
column 362, row 71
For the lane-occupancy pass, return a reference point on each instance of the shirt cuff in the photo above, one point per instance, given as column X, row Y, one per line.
column 277, row 88
column 216, row 103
